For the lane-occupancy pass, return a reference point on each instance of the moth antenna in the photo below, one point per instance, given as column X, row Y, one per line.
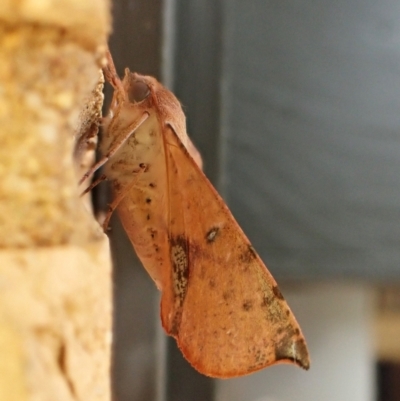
column 94, row 184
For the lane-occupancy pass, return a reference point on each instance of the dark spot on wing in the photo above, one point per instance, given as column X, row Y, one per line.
column 265, row 301
column 248, row 255
column 148, row 217
column 227, row 295
column 144, row 167
column 179, row 254
column 148, row 200
column 247, row 305
column 277, row 292
column 152, row 185
column 212, row 234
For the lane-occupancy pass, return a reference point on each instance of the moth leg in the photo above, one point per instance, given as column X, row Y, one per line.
column 121, row 195
column 116, row 146
column 94, row 184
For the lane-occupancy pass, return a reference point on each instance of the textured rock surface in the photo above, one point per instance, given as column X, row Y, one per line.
column 55, row 273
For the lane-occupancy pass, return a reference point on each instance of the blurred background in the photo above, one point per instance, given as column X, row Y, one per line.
column 294, row 106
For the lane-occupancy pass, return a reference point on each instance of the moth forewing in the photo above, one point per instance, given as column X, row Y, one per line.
column 233, row 319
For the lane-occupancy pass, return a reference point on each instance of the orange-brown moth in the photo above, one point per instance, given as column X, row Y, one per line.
column 219, row 300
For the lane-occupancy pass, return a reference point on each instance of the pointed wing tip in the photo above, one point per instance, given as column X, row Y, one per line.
column 296, row 353
column 303, row 362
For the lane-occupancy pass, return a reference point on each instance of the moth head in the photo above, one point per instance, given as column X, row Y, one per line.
column 138, row 91
column 137, row 87
column 145, row 93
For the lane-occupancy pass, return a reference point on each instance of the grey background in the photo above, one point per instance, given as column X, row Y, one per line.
column 295, row 108
column 312, row 129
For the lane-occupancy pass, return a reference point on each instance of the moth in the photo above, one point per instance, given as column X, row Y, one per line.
column 218, row 301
